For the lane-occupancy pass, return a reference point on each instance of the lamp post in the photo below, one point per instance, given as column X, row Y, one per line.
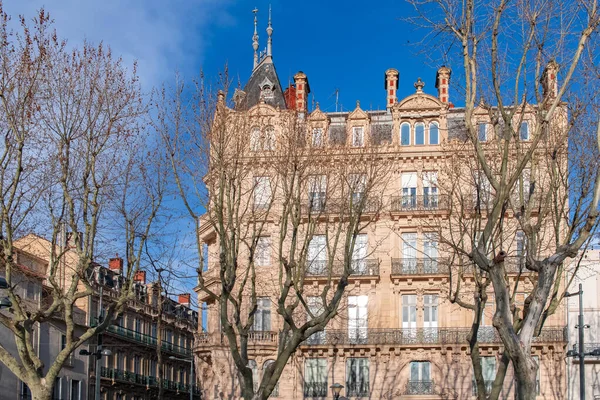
column 99, row 353
column 336, row 388
column 581, row 354
column 191, row 361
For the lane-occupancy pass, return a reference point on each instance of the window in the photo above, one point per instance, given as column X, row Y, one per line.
column 204, row 317
column 317, row 255
column 315, row 378
column 262, row 257
column 275, row 392
column 409, row 190
column 262, row 192
column 405, row 134
column 434, row 133
column 254, row 367
column 521, row 240
column 524, row 131
column 409, row 253
column 315, row 306
column 25, row 392
column 31, row 291
column 536, row 360
column 524, row 183
column 255, row 144
column 482, row 128
column 262, row 317
column 430, row 190
column 488, row 366
column 359, row 254
column 269, row 139
column 75, row 390
column 483, row 189
column 420, row 378
column 358, row 136
column 430, row 314
column 358, row 184
column 152, row 369
column 358, row 318
column 317, row 189
column 260, row 142
column 204, row 257
column 57, row 390
column 409, row 312
column 430, row 251
column 317, row 137
column 137, row 362
column 357, row 377
column 420, row 133
column 153, row 330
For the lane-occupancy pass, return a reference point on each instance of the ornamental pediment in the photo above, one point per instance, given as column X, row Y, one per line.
column 317, row 115
column 419, row 101
column 358, row 113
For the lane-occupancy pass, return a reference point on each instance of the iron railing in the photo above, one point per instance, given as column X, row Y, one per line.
column 362, row 267
column 357, row 389
column 419, row 387
column 430, row 336
column 408, row 203
column 341, row 206
column 150, row 381
column 315, row 389
column 419, row 266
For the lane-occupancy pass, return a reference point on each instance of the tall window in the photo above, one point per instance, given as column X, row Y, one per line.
column 57, row 390
column 269, row 139
column 359, row 254
column 267, row 364
column 255, row 144
column 204, row 310
column 317, row 255
column 409, row 252
column 358, row 184
column 262, row 192
column 317, row 137
column 358, row 318
column 430, row 313
column 204, row 257
column 31, row 290
column 317, row 189
column 434, row 133
column 430, row 250
column 262, row 255
column 25, row 392
column 420, row 133
column 536, row 360
column 358, row 136
column 315, row 377
column 524, row 130
column 409, row 190
column 482, row 129
column 488, row 366
column 521, row 241
column 254, row 367
column 262, row 317
column 75, row 390
column 420, row 378
column 315, row 306
column 409, row 314
column 483, row 189
column 430, row 190
column 405, row 134
column 357, row 377
column 525, row 182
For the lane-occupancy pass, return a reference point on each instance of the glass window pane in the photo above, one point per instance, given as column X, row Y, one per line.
column 420, row 134
column 434, row 134
column 405, row 134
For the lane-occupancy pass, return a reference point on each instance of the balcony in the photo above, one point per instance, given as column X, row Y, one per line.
column 118, row 375
column 266, row 339
column 357, row 389
column 419, row 203
column 418, row 336
column 364, row 267
column 419, row 266
column 315, row 390
column 419, row 388
column 335, row 206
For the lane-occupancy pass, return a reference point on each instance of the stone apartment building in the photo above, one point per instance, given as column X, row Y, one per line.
column 398, row 335
column 130, row 372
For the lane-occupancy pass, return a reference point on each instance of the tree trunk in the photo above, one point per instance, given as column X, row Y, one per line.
column 40, row 393
column 526, row 373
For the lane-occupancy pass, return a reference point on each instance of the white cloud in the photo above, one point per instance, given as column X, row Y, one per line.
column 161, row 35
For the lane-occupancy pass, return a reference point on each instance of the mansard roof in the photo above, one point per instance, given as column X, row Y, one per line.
column 264, row 74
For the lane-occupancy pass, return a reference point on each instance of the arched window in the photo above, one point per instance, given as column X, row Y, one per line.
column 434, row 133
column 420, row 133
column 275, row 392
column 524, row 131
column 255, row 139
column 254, row 367
column 405, row 134
column 269, row 139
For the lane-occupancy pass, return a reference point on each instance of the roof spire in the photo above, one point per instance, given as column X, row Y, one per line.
column 269, row 34
column 255, row 39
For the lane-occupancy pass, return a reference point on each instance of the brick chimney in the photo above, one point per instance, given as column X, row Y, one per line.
column 442, row 83
column 302, row 91
column 140, row 277
column 116, row 264
column 549, row 80
column 391, row 86
column 290, row 97
column 185, row 299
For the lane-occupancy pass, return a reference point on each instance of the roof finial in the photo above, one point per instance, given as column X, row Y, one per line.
column 419, row 84
column 269, row 33
column 255, row 39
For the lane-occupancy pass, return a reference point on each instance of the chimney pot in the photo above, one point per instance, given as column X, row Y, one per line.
column 185, row 299
column 116, row 264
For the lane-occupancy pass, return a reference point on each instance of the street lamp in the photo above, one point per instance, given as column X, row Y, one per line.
column 3, row 283
column 191, row 361
column 336, row 388
column 572, row 353
column 99, row 353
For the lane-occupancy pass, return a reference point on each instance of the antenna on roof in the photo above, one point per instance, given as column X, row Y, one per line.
column 337, row 96
column 255, row 39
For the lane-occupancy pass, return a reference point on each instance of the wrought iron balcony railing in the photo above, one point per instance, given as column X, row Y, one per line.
column 419, row 266
column 408, row 203
column 430, row 336
column 315, row 389
column 322, row 205
column 362, row 267
column 264, row 338
column 140, row 379
column 488, row 386
column 419, row 387
column 357, row 389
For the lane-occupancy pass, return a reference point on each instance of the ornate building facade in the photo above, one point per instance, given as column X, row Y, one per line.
column 397, row 335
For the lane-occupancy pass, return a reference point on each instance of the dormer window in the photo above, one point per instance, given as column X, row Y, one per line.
column 358, row 136
column 317, row 137
column 266, row 89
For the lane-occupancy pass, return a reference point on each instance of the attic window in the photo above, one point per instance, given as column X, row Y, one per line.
column 266, row 92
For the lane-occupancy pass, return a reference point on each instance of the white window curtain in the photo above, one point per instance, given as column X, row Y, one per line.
column 358, row 184
column 315, row 378
column 357, row 377
column 317, row 137
column 409, row 313
column 409, row 190
column 317, row 255
column 317, row 189
column 359, row 254
column 358, row 318
column 430, row 250
column 262, row 256
column 409, row 252
column 262, row 317
column 420, row 371
column 262, row 191
column 430, row 190
column 316, row 308
column 430, row 314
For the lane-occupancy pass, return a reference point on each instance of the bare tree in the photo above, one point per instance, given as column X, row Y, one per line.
column 72, row 159
column 520, row 62
column 268, row 194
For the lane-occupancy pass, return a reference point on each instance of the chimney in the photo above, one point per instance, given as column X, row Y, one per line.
column 391, row 86
column 140, row 277
column 302, row 91
column 290, row 97
column 442, row 83
column 184, row 299
column 549, row 80
column 116, row 264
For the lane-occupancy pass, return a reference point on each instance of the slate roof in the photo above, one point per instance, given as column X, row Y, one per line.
column 265, row 71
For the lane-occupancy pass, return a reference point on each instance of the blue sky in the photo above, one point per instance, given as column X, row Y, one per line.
column 345, row 45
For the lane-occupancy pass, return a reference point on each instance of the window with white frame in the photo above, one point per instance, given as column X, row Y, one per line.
column 262, row 256
column 317, row 255
column 358, row 136
column 482, row 131
column 316, row 308
column 430, row 252
column 57, row 390
column 357, row 377
column 262, row 317
column 409, row 313
column 409, row 252
column 430, row 314
column 317, row 137
column 409, row 190
column 524, row 130
column 262, row 192
column 405, row 134
column 430, row 190
column 419, row 133
column 75, row 389
column 482, row 194
column 358, row 184
column 434, row 133
column 315, row 378
column 317, row 191
column 524, row 185
column 25, row 392
column 420, row 371
column 359, row 254
column 358, row 316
